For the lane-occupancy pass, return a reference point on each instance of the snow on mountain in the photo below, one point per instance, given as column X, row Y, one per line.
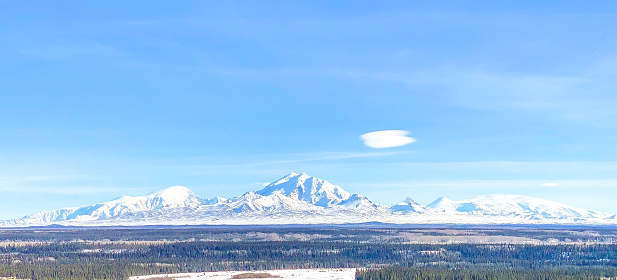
column 301, row 192
column 172, row 197
column 514, row 205
column 307, row 188
column 43, row 217
column 408, row 206
column 215, row 200
column 443, row 204
column 360, row 203
column 300, row 198
column 253, row 202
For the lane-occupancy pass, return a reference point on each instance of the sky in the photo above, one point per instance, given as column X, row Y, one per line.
column 101, row 99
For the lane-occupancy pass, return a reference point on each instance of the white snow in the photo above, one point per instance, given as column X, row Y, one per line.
column 302, row 199
column 514, row 205
column 407, row 206
column 172, row 197
column 307, row 188
column 296, row 274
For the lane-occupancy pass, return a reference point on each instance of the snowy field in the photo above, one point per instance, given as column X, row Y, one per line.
column 298, row 274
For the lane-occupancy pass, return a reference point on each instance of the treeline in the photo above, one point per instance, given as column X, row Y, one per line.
column 86, row 270
column 245, row 234
column 435, row 273
column 385, row 235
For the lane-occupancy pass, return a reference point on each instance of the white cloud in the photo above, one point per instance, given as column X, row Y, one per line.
column 550, row 185
column 386, row 138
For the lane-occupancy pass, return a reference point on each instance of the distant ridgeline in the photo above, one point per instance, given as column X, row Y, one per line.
column 303, row 199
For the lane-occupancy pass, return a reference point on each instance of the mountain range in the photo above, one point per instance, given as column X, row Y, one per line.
column 303, row 199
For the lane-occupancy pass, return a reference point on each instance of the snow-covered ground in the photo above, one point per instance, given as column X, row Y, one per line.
column 297, row 274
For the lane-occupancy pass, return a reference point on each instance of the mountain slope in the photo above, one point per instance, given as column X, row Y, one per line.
column 303, row 199
column 408, row 206
column 254, row 202
column 308, row 189
column 514, row 205
column 172, row 197
column 301, row 192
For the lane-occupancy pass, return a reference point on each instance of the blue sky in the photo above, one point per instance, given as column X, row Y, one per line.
column 99, row 100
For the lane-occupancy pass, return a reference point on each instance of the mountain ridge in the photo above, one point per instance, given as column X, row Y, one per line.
column 301, row 198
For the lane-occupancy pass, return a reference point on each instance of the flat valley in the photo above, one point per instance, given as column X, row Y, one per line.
column 120, row 253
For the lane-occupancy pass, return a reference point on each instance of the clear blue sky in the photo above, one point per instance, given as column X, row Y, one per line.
column 101, row 99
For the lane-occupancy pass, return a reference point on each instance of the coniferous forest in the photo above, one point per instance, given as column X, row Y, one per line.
column 380, row 253
column 440, row 273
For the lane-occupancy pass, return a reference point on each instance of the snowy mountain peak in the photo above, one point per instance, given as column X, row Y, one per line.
column 407, row 206
column 168, row 198
column 177, row 196
column 301, row 198
column 173, row 190
column 308, row 189
column 440, row 202
column 291, row 177
column 173, row 196
column 515, row 205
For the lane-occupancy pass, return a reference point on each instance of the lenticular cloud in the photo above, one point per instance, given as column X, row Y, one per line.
column 386, row 138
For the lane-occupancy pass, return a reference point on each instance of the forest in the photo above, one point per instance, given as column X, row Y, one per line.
column 439, row 273
column 381, row 253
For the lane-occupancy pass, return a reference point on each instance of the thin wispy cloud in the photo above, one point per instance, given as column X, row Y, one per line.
column 485, row 186
column 76, row 190
column 586, row 96
column 309, row 157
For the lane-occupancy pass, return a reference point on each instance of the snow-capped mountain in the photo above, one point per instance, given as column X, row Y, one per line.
column 172, row 197
column 316, row 192
column 308, row 189
column 254, row 202
column 514, row 205
column 303, row 199
column 408, row 206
